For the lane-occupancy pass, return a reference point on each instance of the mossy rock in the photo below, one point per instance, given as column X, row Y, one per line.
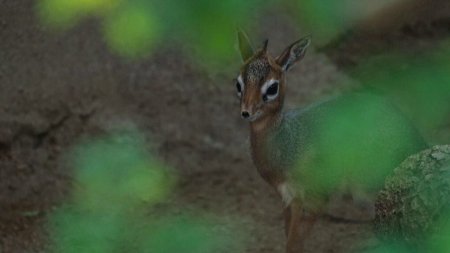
column 415, row 201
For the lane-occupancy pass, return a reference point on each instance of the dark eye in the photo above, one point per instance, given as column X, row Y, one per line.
column 238, row 87
column 272, row 90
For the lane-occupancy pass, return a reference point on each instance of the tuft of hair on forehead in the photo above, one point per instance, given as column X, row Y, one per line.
column 257, row 69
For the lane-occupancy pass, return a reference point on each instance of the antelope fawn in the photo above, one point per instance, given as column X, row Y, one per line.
column 289, row 148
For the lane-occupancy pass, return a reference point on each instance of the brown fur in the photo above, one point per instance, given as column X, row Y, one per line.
column 287, row 143
column 256, row 71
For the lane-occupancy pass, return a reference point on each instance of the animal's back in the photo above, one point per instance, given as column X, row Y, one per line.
column 358, row 138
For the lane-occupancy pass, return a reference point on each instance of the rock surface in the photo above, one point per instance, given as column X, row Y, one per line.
column 415, row 199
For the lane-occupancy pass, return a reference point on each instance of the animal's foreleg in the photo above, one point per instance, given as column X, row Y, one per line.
column 298, row 226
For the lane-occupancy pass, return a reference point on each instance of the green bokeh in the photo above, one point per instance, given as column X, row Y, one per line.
column 212, row 24
column 419, row 84
column 325, row 19
column 120, row 172
column 389, row 249
column 75, row 231
column 441, row 243
column 116, row 184
column 326, row 16
column 66, row 13
column 356, row 139
column 132, row 30
column 186, row 234
column 136, row 28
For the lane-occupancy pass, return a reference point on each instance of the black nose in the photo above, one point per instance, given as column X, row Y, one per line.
column 245, row 115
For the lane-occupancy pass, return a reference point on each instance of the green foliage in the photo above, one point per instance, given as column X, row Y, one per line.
column 66, row 13
column 327, row 18
column 117, row 172
column 132, row 31
column 133, row 28
column 210, row 24
column 419, row 84
column 116, row 181
column 439, row 242
column 358, row 139
column 75, row 230
column 185, row 234
column 389, row 248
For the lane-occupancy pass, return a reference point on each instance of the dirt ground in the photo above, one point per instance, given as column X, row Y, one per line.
column 59, row 87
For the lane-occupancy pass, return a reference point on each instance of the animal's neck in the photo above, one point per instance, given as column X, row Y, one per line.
column 265, row 124
column 259, row 133
column 261, row 128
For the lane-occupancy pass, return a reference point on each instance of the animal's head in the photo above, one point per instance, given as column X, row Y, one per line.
column 261, row 82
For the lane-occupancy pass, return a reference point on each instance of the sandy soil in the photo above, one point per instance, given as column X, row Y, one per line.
column 59, row 87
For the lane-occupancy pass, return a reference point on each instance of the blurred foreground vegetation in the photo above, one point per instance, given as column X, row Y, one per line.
column 116, row 179
column 116, row 184
column 136, row 28
column 418, row 84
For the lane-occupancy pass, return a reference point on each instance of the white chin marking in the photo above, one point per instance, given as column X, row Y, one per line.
column 286, row 192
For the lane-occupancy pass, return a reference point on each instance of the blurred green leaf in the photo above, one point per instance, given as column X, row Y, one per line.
column 114, row 175
column 419, row 84
column 357, row 138
column 117, row 171
column 132, row 30
column 65, row 13
column 181, row 234
column 328, row 18
column 439, row 242
column 75, row 231
column 392, row 248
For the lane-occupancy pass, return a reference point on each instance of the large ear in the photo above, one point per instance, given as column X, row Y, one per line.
column 244, row 45
column 293, row 53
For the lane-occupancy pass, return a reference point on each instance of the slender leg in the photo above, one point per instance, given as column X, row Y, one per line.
column 287, row 220
column 298, row 226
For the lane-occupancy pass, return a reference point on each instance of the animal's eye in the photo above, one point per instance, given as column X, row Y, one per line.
column 238, row 87
column 272, row 90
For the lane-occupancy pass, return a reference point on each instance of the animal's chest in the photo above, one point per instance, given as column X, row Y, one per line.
column 285, row 146
column 267, row 165
column 277, row 153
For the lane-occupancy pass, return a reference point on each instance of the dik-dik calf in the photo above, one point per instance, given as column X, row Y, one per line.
column 353, row 140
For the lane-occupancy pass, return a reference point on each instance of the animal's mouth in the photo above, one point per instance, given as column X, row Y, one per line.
column 255, row 116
